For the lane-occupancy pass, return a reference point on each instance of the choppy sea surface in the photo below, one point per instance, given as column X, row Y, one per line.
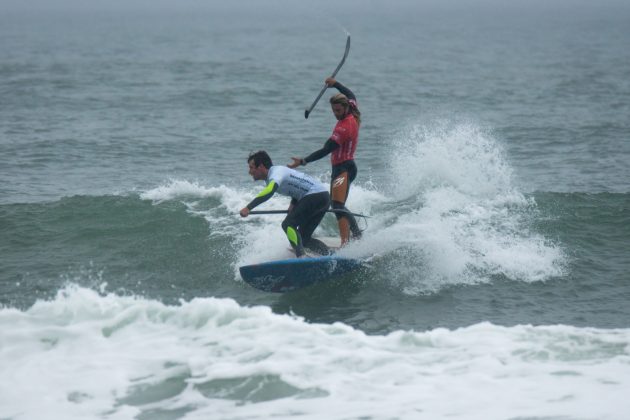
column 493, row 162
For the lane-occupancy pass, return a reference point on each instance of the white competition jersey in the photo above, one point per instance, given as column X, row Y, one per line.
column 293, row 183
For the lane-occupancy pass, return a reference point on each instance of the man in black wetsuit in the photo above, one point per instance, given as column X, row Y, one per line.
column 309, row 201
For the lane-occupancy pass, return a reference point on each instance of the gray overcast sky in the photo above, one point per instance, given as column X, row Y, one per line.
column 332, row 6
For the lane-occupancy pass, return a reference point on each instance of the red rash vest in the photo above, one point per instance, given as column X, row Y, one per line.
column 346, row 135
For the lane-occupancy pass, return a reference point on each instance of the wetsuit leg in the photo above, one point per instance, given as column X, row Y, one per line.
column 343, row 175
column 304, row 218
column 319, row 203
column 289, row 226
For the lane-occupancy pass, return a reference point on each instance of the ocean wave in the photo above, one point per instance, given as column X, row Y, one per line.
column 83, row 353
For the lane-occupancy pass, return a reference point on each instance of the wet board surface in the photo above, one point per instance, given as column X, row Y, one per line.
column 295, row 273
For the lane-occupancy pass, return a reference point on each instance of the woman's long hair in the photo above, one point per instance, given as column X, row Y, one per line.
column 342, row 99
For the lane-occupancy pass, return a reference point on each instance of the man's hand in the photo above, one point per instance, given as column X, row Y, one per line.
column 244, row 212
column 330, row 81
column 296, row 162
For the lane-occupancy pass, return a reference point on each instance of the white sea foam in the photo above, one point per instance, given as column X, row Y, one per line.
column 179, row 189
column 449, row 214
column 85, row 355
column 453, row 214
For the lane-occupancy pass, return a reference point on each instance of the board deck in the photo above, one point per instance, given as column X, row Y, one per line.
column 295, row 273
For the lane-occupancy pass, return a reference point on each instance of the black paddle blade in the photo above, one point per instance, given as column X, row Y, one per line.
column 343, row 60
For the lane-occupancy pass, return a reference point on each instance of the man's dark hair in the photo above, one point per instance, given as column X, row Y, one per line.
column 260, row 157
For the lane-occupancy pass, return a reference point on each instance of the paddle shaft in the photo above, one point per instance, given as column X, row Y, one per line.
column 286, row 211
column 343, row 60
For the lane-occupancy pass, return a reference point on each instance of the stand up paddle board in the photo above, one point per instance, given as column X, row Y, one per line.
column 295, row 273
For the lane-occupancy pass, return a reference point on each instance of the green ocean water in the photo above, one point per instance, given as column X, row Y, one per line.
column 492, row 162
column 164, row 252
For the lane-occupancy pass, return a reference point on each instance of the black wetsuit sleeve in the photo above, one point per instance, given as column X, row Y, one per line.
column 342, row 89
column 329, row 146
column 264, row 195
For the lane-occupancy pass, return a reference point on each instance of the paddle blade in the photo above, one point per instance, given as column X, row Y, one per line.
column 343, row 60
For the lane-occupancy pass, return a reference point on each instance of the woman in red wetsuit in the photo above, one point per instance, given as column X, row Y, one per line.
column 341, row 146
